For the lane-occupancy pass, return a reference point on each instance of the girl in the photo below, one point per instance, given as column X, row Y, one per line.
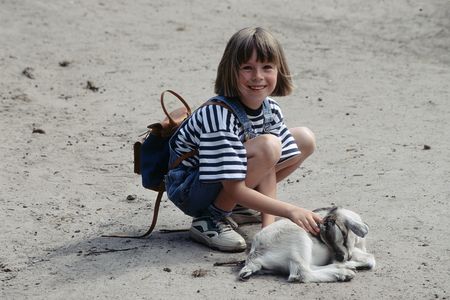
column 229, row 169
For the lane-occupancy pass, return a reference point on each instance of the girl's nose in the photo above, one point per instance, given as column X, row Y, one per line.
column 257, row 74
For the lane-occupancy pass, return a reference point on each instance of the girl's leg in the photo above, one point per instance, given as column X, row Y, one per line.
column 263, row 170
column 306, row 143
column 263, row 153
column 261, row 173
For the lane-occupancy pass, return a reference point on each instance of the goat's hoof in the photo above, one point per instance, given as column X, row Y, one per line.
column 346, row 275
column 244, row 275
column 369, row 265
column 295, row 278
column 364, row 267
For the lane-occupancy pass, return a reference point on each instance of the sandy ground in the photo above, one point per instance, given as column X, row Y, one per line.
column 373, row 83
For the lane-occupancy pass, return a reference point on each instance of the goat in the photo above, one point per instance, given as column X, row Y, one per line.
column 333, row 255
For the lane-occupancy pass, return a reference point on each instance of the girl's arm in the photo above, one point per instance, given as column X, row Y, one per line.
column 255, row 200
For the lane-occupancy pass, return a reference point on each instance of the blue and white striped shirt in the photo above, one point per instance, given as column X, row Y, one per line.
column 219, row 136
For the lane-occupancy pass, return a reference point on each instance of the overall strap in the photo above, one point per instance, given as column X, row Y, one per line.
column 268, row 117
column 239, row 111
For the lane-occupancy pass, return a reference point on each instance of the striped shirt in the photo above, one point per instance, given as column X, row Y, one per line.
column 219, row 136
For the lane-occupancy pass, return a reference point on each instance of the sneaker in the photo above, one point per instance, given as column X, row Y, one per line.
column 243, row 215
column 216, row 235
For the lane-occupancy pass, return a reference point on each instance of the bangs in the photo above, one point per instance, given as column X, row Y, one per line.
column 266, row 50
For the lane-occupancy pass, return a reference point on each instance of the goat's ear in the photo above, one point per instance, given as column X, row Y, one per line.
column 333, row 209
column 359, row 228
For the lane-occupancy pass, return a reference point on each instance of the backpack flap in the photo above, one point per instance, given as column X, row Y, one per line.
column 168, row 126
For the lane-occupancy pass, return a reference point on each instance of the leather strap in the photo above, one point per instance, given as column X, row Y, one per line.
column 186, row 155
column 152, row 225
column 179, row 98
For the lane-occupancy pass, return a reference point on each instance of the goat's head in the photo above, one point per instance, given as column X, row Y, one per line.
column 340, row 230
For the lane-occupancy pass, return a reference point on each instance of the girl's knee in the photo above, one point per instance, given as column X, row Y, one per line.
column 305, row 139
column 266, row 148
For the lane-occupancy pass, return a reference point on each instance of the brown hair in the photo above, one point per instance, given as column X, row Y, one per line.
column 240, row 49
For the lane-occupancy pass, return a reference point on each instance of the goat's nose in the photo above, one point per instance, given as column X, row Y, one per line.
column 339, row 257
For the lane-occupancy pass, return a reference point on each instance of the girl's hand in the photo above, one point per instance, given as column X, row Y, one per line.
column 306, row 219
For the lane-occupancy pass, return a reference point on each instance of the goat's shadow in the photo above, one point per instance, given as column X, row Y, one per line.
column 111, row 256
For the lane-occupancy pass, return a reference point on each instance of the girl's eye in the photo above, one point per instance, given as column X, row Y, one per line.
column 268, row 67
column 246, row 67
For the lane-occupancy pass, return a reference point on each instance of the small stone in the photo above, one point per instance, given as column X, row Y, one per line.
column 28, row 72
column 131, row 197
column 4, row 268
column 38, row 130
column 199, row 273
column 426, row 147
column 64, row 63
column 167, row 270
column 91, row 86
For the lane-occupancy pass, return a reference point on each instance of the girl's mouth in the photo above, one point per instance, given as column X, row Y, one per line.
column 256, row 87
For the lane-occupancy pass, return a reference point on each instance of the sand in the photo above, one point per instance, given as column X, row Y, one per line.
column 80, row 80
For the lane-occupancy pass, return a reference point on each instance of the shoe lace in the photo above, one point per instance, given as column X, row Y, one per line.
column 231, row 222
column 223, row 225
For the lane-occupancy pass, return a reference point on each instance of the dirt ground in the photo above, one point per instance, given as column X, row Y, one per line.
column 81, row 79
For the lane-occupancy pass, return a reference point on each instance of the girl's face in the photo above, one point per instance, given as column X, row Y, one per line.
column 256, row 81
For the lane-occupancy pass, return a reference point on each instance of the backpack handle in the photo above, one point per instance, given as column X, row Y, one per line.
column 188, row 109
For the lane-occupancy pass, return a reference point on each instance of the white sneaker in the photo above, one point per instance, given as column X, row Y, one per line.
column 243, row 215
column 217, row 235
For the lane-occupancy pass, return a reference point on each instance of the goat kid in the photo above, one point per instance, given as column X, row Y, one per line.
column 284, row 247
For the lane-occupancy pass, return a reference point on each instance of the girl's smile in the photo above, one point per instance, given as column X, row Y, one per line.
column 256, row 81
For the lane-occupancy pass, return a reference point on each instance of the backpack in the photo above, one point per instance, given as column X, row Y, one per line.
column 151, row 155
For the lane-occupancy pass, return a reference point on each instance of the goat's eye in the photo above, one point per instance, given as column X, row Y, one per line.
column 329, row 223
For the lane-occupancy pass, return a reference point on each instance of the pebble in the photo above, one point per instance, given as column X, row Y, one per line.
column 131, row 197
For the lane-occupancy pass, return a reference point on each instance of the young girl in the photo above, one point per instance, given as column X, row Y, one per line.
column 229, row 169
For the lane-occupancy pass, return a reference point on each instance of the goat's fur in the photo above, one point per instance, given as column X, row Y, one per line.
column 284, row 247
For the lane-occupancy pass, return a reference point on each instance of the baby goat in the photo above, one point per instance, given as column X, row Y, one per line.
column 284, row 247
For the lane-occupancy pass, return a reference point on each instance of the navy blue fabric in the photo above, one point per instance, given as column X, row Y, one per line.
column 186, row 191
column 155, row 155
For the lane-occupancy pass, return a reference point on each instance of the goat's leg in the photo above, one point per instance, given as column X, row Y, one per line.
column 251, row 266
column 328, row 273
column 295, row 272
column 361, row 260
